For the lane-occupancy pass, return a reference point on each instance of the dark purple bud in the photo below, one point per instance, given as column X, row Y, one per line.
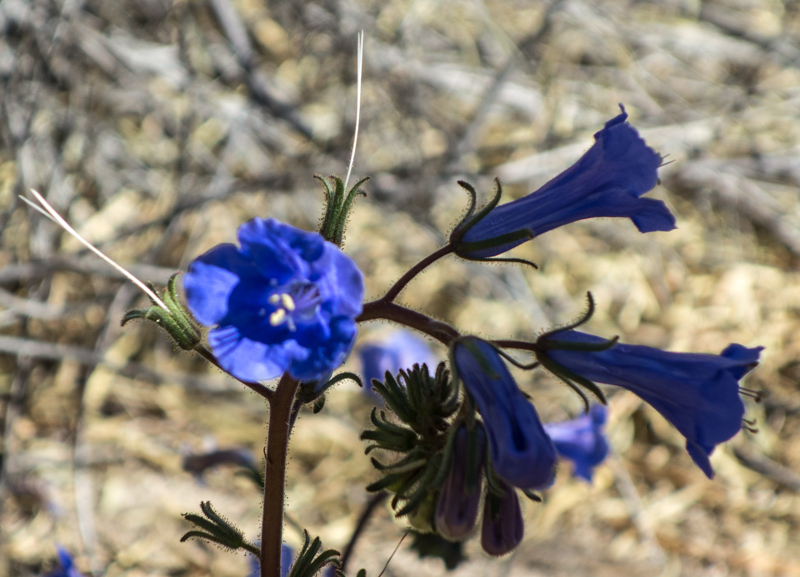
column 457, row 509
column 503, row 528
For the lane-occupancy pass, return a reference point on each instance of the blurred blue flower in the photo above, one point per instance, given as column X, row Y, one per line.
column 287, row 556
column 521, row 451
column 67, row 568
column 607, row 181
column 697, row 393
column 457, row 508
column 285, row 301
column 581, row 440
column 502, row 530
column 401, row 349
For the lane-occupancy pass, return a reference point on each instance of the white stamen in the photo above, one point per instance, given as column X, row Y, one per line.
column 288, row 302
column 51, row 213
column 277, row 318
column 274, row 299
column 358, row 105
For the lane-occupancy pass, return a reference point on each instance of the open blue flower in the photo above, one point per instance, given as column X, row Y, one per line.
column 581, row 440
column 521, row 451
column 697, row 393
column 401, row 349
column 285, row 300
column 607, row 181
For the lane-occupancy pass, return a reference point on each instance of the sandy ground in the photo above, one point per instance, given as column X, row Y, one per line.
column 158, row 127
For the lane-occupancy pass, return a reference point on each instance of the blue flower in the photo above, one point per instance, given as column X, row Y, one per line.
column 607, row 181
column 67, row 568
column 285, row 301
column 521, row 451
column 399, row 350
column 502, row 528
column 457, row 507
column 697, row 393
column 581, row 440
column 287, row 556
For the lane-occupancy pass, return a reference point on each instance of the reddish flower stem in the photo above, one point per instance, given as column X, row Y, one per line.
column 280, row 411
column 414, row 271
column 381, row 309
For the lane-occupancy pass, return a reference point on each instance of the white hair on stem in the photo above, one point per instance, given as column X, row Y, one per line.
column 358, row 106
column 51, row 213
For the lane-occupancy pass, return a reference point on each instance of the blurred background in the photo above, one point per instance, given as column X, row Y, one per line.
column 157, row 127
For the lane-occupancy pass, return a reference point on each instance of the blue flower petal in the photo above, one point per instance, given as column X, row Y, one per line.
column 606, row 182
column 285, row 301
column 581, row 440
column 521, row 451
column 210, row 280
column 697, row 393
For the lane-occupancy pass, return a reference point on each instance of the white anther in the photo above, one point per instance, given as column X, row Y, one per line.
column 287, row 301
column 277, row 318
column 274, row 299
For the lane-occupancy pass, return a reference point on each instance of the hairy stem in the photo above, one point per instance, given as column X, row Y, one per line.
column 280, row 410
column 414, row 271
column 372, row 504
column 381, row 309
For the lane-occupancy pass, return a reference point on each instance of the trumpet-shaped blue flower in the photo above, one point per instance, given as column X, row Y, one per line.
column 697, row 393
column 521, row 451
column 285, row 300
column 581, row 440
column 607, row 181
column 457, row 508
column 401, row 349
column 502, row 530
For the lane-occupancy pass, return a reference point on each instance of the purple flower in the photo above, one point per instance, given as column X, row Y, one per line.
column 399, row 350
column 457, row 508
column 502, row 528
column 285, row 301
column 607, row 181
column 581, row 440
column 697, row 393
column 67, row 568
column 521, row 451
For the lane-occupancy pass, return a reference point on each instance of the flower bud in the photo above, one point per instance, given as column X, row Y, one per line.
column 502, row 528
column 457, row 509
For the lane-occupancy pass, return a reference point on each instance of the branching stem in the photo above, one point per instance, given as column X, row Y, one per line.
column 414, row 271
column 381, row 309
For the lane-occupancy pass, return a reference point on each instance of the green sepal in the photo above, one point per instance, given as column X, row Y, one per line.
column 175, row 320
column 571, row 378
column 423, row 489
column 310, row 561
column 311, row 392
column 531, row 495
column 217, row 529
column 471, row 219
column 337, row 207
